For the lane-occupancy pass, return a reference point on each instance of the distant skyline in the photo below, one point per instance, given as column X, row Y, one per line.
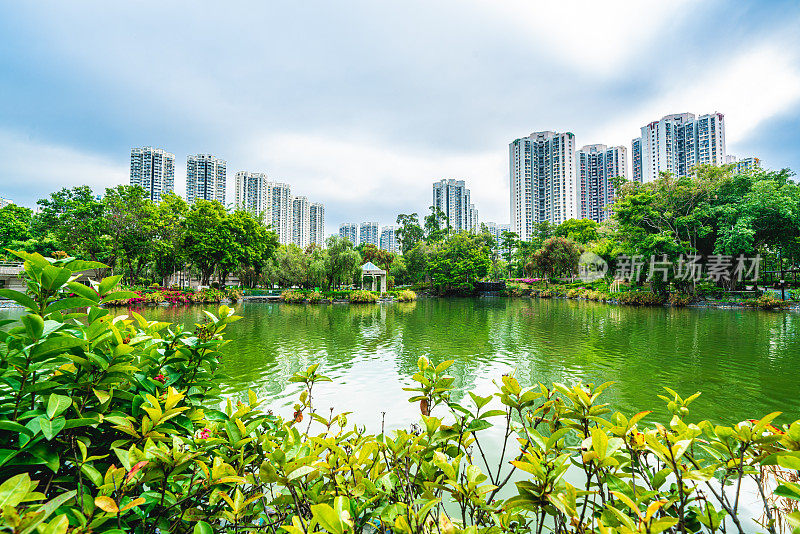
column 362, row 106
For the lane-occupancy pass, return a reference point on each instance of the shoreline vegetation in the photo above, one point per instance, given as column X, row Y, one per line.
column 116, row 424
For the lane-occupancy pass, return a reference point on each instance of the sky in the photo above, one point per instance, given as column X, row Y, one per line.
column 362, row 105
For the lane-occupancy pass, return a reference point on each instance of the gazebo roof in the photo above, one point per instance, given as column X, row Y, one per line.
column 370, row 267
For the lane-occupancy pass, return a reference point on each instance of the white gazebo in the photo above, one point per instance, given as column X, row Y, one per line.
column 370, row 270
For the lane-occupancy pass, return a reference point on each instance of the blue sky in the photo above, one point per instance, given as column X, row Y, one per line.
column 361, row 105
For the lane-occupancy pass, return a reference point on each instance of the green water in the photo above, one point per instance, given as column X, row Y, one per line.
column 746, row 362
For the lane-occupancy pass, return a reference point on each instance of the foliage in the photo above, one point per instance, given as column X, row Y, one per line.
column 456, row 263
column 580, row 231
column 361, row 296
column 315, row 297
column 558, row 256
column 767, row 302
column 406, row 295
column 680, row 300
column 292, row 297
column 640, row 298
column 342, row 261
column 410, row 232
column 110, row 426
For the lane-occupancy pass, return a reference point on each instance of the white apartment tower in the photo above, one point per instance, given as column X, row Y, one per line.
column 598, row 165
column 316, row 216
column 453, row 198
column 153, row 169
column 250, row 192
column 679, row 142
column 279, row 210
column 368, row 233
column 301, row 222
column 205, row 178
column 473, row 219
column 389, row 238
column 349, row 231
column 636, row 160
column 543, row 180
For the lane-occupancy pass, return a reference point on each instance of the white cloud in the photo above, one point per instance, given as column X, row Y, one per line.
column 749, row 89
column 598, row 37
column 355, row 173
column 33, row 169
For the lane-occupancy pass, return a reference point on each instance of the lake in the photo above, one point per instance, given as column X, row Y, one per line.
column 746, row 362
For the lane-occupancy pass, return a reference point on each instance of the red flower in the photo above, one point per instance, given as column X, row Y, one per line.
column 205, row 433
column 161, row 378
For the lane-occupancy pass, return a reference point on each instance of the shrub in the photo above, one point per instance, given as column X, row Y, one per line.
column 406, row 295
column 679, row 300
column 546, row 294
column 290, row 296
column 154, row 298
column 112, row 426
column 640, row 298
column 315, row 297
column 155, row 285
column 233, row 294
column 362, row 296
column 767, row 302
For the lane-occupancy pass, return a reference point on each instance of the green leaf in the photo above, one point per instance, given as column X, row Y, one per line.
column 34, row 325
column 55, row 345
column 54, row 277
column 56, row 404
column 15, row 427
column 201, row 527
column 14, row 490
column 69, row 302
column 51, row 428
column 20, row 298
column 109, row 283
column 83, row 265
column 84, row 291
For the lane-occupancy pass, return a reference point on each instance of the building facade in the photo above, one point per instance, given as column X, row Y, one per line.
column 205, row 178
column 636, row 160
column 388, row 240
column 279, row 210
column 301, row 222
column 153, row 169
column 543, row 180
column 744, row 164
column 316, row 216
column 250, row 192
column 473, row 219
column 349, row 231
column 677, row 143
column 452, row 197
column 368, row 233
column 598, row 165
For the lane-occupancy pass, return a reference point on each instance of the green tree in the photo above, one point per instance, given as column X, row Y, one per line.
column 15, row 226
column 130, row 220
column 206, row 239
column 343, row 261
column 458, row 262
column 437, row 225
column 167, row 252
column 558, row 256
column 410, row 232
column 581, row 231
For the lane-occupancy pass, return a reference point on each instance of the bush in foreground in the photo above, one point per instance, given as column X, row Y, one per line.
column 406, row 295
column 291, row 296
column 362, row 297
column 109, row 425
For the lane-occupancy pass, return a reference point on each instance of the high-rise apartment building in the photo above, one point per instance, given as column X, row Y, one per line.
column 251, row 192
column 679, row 142
column 636, row 160
column 744, row 164
column 368, row 233
column 473, row 219
column 301, row 222
column 316, row 216
column 543, row 180
column 597, row 166
column 153, row 169
column 279, row 210
column 389, row 239
column 453, row 198
column 349, row 231
column 205, row 178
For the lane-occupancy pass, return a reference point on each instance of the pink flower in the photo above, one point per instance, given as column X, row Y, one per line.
column 205, row 433
column 161, row 378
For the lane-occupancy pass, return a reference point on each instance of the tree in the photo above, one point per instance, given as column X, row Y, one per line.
column 15, row 226
column 251, row 244
column 437, row 225
column 206, row 239
column 558, row 256
column 458, row 262
column 509, row 241
column 167, row 253
column 75, row 220
column 410, row 232
column 581, row 231
column 381, row 258
column 343, row 260
column 130, row 220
